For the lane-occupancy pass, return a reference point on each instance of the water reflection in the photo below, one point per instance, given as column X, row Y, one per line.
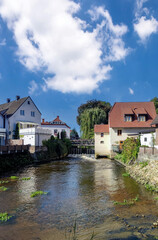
column 79, row 190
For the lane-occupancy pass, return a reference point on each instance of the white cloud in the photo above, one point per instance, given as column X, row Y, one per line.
column 145, row 27
column 145, row 24
column 51, row 39
column 3, row 42
column 131, row 91
column 33, row 87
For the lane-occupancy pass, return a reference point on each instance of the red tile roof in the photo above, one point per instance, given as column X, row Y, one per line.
column 102, row 128
column 119, row 110
column 55, row 122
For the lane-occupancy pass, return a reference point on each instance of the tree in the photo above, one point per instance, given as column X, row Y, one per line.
column 105, row 106
column 155, row 101
column 89, row 118
column 63, row 135
column 74, row 134
column 16, row 131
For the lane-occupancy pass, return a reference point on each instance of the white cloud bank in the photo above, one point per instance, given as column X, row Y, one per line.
column 145, row 24
column 51, row 39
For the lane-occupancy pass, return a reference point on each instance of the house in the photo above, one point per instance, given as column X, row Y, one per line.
column 129, row 119
column 22, row 111
column 57, row 127
column 155, row 123
column 34, row 136
column 102, row 140
column 148, row 139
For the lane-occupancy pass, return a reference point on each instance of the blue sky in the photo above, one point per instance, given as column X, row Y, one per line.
column 64, row 53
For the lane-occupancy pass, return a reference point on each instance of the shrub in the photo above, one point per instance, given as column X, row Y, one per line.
column 130, row 150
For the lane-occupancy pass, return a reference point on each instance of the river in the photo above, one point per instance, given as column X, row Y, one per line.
column 79, row 191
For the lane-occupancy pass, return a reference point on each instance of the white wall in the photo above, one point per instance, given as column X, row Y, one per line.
column 102, row 149
column 16, row 117
column 34, row 136
column 115, row 139
column 147, row 139
column 59, row 128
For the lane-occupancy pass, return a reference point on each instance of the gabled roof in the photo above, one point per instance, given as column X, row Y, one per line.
column 57, row 119
column 120, row 109
column 10, row 108
column 155, row 121
column 55, row 122
column 101, row 128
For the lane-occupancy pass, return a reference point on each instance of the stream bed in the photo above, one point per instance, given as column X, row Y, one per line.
column 81, row 193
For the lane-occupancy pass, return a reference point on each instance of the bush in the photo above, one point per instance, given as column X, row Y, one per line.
column 130, row 150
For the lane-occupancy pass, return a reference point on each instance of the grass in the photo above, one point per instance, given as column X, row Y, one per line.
column 2, row 182
column 4, row 217
column 156, row 198
column 37, row 193
column 14, row 177
column 127, row 202
column 150, row 187
column 144, row 164
column 3, row 189
column 25, row 178
column 125, row 174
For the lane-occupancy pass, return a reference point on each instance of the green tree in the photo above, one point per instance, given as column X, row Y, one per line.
column 105, row 106
column 89, row 118
column 16, row 131
column 155, row 101
column 74, row 133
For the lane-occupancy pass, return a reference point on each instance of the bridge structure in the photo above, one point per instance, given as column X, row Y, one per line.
column 82, row 146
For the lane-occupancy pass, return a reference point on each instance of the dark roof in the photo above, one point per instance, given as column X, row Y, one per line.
column 119, row 110
column 102, row 128
column 10, row 108
column 155, row 121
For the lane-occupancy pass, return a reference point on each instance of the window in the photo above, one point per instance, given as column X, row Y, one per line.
column 119, row 132
column 32, row 114
column 101, row 142
column 102, row 134
column 28, row 102
column 142, row 118
column 145, row 139
column 128, row 118
column 55, row 131
column 22, row 112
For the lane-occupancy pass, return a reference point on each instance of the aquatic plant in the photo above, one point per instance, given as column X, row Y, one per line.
column 25, row 178
column 4, row 217
column 126, row 174
column 2, row 182
column 150, row 187
column 34, row 194
column 3, row 189
column 14, row 177
column 127, row 202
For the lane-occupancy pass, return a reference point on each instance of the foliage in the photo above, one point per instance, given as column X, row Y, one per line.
column 91, row 104
column 150, row 187
column 91, row 113
column 14, row 177
column 16, row 131
column 126, row 174
column 3, row 189
column 4, row 217
column 57, row 147
column 2, row 182
column 25, row 178
column 143, row 164
column 127, row 202
column 89, row 118
column 63, row 135
column 130, row 150
column 155, row 101
column 74, row 134
column 37, row 193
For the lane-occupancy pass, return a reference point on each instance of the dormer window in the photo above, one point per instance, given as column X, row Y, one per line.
column 141, row 118
column 128, row 118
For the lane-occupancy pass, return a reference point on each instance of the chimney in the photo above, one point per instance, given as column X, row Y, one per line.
column 17, row 97
column 8, row 100
column 43, row 120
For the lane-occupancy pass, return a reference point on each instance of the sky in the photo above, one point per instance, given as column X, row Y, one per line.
column 63, row 53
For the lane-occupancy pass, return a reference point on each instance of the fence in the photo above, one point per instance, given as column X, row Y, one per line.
column 148, row 150
column 13, row 149
column 81, row 151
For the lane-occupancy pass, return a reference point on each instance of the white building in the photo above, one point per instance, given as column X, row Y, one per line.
column 35, row 136
column 56, row 127
column 148, row 139
column 22, row 111
column 102, row 140
column 128, row 119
